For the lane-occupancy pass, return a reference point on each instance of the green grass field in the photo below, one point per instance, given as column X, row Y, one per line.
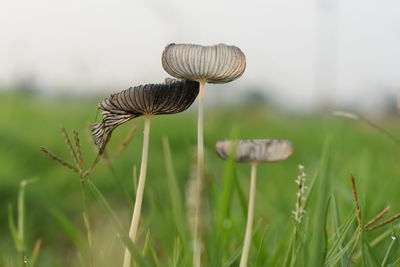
column 329, row 147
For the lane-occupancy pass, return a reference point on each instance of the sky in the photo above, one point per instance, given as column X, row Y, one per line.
column 302, row 53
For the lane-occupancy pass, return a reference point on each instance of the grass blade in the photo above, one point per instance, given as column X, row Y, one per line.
column 387, row 253
column 318, row 246
column 340, row 236
column 146, row 244
column 118, row 225
column 177, row 252
column 335, row 258
column 35, row 253
column 13, row 229
column 260, row 260
column 233, row 258
column 74, row 234
column 369, row 258
column 174, row 190
column 336, row 222
column 224, row 200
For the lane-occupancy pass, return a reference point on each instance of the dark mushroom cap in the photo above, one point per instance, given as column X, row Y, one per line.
column 255, row 150
column 171, row 97
column 219, row 63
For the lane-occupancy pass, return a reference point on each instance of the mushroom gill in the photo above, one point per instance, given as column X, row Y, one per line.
column 171, row 97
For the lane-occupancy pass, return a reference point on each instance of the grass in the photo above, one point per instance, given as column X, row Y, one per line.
column 329, row 147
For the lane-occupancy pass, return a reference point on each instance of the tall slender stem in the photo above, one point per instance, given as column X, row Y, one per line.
column 250, row 216
column 21, row 220
column 86, row 221
column 197, row 244
column 140, row 189
column 85, row 213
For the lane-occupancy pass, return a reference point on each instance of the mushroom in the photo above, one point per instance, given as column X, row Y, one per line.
column 219, row 63
column 253, row 151
column 173, row 96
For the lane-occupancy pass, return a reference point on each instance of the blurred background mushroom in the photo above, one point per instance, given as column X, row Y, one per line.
column 219, row 63
column 171, row 97
column 253, row 151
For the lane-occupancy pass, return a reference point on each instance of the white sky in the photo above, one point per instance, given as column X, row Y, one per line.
column 353, row 46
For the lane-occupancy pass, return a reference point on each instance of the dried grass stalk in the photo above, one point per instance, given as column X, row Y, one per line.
column 358, row 215
column 377, row 217
column 391, row 219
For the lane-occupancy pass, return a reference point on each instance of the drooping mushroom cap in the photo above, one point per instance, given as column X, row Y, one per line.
column 255, row 150
column 173, row 96
column 219, row 63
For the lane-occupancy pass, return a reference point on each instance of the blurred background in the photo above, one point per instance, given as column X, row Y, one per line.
column 305, row 59
column 302, row 55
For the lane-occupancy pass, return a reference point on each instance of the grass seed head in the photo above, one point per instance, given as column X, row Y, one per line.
column 300, row 195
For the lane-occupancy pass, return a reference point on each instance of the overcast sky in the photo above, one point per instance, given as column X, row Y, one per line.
column 301, row 51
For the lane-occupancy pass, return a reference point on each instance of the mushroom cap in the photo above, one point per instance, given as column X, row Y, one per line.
column 255, row 150
column 219, row 63
column 171, row 97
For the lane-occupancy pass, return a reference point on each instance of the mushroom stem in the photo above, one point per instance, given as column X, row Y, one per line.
column 140, row 189
column 250, row 215
column 197, row 246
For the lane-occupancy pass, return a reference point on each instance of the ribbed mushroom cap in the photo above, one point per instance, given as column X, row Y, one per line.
column 219, row 63
column 255, row 150
column 173, row 96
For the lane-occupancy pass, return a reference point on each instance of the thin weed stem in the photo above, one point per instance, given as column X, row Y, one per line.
column 358, row 215
column 353, row 116
column 140, row 190
column 354, row 246
column 18, row 231
column 82, row 173
column 85, row 213
column 70, row 147
column 21, row 219
column 197, row 244
column 92, row 166
column 380, row 129
column 250, row 216
column 35, row 252
column 358, row 210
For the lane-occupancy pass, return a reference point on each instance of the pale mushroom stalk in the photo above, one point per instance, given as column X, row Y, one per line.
column 250, row 216
column 197, row 245
column 140, row 189
column 253, row 151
